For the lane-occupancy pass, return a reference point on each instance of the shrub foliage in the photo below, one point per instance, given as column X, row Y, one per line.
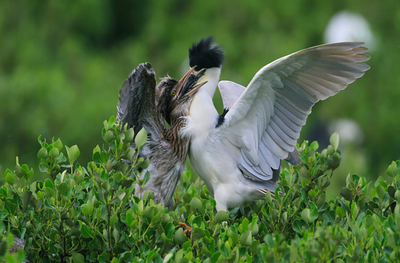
column 90, row 214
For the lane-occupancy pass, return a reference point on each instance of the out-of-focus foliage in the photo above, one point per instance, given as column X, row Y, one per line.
column 62, row 63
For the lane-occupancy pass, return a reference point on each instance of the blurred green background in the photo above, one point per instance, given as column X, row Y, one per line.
column 62, row 64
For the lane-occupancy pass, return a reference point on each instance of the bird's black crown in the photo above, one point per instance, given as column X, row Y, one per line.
column 205, row 54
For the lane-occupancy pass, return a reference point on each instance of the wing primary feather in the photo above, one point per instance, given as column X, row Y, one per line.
column 281, row 143
column 302, row 93
column 287, row 115
column 314, row 84
column 283, row 131
column 272, row 159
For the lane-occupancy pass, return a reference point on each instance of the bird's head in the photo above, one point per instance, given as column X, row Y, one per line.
column 208, row 56
column 174, row 97
column 205, row 54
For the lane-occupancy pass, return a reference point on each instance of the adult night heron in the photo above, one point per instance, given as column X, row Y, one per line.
column 238, row 154
column 142, row 104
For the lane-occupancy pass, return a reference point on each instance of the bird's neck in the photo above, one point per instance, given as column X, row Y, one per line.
column 202, row 116
column 180, row 143
column 212, row 77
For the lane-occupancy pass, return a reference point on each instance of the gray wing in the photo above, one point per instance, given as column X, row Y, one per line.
column 230, row 93
column 265, row 122
column 136, row 105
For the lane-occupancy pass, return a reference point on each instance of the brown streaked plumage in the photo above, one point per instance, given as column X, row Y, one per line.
column 142, row 104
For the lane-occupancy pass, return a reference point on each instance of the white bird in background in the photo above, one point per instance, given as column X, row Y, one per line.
column 238, row 154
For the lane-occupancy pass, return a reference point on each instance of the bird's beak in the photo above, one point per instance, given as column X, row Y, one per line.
column 191, row 82
column 182, row 81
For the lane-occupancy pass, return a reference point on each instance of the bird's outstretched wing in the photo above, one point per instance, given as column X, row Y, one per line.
column 266, row 120
column 230, row 92
column 136, row 105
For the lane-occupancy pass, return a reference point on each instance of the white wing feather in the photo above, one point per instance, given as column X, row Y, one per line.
column 266, row 119
column 230, row 92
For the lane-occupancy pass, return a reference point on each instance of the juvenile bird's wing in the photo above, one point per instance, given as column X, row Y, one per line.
column 266, row 120
column 136, row 105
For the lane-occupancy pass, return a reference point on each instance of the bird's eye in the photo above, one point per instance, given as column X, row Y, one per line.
column 173, row 92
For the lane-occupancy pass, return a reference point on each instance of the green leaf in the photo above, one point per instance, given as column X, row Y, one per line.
column 268, row 197
column 149, row 212
column 87, row 209
column 111, row 121
column 180, row 236
column 312, row 193
column 314, row 145
column 85, row 230
column 116, row 235
column 104, row 257
column 113, row 219
column 246, row 238
column 221, row 216
column 340, row 211
column 58, row 144
column 166, row 218
column 129, row 134
column 26, row 199
column 330, row 150
column 334, row 140
column 391, row 191
column 169, row 229
column 129, row 218
column 78, row 258
column 120, row 194
column 141, row 138
column 168, row 257
column 346, row 193
column 299, row 226
column 42, row 153
column 397, row 195
column 48, row 183
column 117, row 177
column 196, row 203
column 146, row 177
column 305, row 215
column 54, row 153
column 198, row 232
column 334, row 161
column 73, row 153
column 9, row 177
column 354, row 209
column 313, row 211
column 148, row 195
column 392, row 170
column 224, row 250
column 63, row 188
column 109, row 136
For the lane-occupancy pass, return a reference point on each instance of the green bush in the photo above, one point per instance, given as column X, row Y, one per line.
column 90, row 214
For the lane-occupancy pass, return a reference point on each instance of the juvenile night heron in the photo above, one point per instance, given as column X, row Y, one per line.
column 142, row 104
column 238, row 154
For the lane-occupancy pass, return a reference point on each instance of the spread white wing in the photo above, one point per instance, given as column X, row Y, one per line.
column 266, row 120
column 230, row 92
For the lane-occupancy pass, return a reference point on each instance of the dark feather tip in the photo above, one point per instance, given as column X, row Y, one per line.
column 205, row 54
column 221, row 118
